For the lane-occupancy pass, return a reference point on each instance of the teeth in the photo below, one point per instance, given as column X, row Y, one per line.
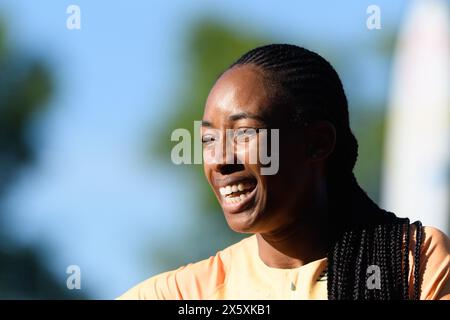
column 226, row 191
column 234, row 199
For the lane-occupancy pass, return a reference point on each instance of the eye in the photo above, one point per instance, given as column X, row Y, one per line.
column 207, row 139
column 244, row 134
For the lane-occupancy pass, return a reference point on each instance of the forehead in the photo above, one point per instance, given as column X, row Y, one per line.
column 239, row 89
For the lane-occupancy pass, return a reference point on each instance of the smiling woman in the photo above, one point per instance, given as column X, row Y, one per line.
column 315, row 234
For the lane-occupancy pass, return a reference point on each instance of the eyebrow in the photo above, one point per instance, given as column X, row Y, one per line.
column 236, row 117
column 245, row 115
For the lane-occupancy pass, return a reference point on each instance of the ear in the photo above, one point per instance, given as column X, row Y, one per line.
column 321, row 137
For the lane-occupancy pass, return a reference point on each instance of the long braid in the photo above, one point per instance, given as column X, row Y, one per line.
column 333, row 274
column 419, row 234
column 347, row 254
column 308, row 85
column 396, row 246
column 359, row 277
column 369, row 244
column 377, row 246
column 375, row 260
column 386, row 274
column 405, row 262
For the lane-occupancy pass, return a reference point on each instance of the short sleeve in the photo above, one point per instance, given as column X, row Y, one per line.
column 434, row 264
column 159, row 287
column 194, row 281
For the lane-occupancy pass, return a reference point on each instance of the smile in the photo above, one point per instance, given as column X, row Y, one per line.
column 235, row 197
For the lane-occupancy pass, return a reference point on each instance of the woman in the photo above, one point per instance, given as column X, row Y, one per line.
column 315, row 232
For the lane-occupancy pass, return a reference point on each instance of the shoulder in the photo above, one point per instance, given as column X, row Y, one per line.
column 435, row 243
column 436, row 239
column 434, row 262
column 197, row 280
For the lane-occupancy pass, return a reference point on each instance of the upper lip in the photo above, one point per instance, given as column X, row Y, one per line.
column 228, row 181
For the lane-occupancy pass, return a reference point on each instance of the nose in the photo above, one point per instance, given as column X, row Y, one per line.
column 226, row 169
column 226, row 160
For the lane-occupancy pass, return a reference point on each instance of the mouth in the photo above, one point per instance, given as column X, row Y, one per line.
column 238, row 196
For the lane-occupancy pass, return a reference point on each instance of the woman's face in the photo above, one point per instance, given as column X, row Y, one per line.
column 252, row 202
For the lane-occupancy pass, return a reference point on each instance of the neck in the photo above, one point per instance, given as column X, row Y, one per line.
column 287, row 252
column 311, row 234
column 300, row 241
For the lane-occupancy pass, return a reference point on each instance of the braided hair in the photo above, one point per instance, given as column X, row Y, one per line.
column 365, row 235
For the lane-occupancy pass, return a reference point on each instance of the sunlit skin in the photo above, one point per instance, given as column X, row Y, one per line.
column 287, row 211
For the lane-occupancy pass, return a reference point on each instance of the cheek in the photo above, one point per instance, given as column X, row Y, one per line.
column 207, row 171
column 293, row 159
column 247, row 153
column 290, row 182
column 214, row 154
column 208, row 157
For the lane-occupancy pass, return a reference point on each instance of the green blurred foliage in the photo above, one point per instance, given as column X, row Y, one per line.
column 370, row 132
column 25, row 86
column 211, row 48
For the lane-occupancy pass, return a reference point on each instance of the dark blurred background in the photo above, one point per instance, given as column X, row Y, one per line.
column 86, row 116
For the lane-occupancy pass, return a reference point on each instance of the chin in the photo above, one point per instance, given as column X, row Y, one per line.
column 243, row 222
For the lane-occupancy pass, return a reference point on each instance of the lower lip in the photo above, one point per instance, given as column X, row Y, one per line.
column 238, row 207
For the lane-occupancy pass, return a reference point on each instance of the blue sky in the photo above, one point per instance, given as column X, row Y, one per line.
column 94, row 198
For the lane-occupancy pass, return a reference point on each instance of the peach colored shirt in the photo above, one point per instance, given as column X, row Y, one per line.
column 237, row 272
